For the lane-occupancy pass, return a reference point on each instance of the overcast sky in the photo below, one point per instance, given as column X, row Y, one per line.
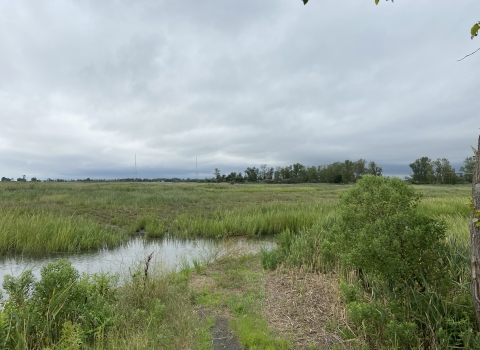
column 86, row 85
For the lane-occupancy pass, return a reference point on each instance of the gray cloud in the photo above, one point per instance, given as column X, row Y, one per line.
column 84, row 86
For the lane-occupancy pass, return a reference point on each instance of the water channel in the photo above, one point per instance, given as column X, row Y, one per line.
column 167, row 252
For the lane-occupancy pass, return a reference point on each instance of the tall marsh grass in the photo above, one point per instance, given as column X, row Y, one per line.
column 265, row 219
column 183, row 210
column 24, row 230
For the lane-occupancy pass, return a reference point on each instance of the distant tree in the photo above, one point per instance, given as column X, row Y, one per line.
column 443, row 172
column 282, row 174
column 449, row 174
column 422, row 170
column 239, row 177
column 5, row 179
column 286, row 173
column 468, row 168
column 262, row 175
column 251, row 174
column 21, row 179
column 231, row 177
column 33, row 179
column 269, row 174
column 374, row 170
column 277, row 174
column 217, row 174
column 312, row 174
column 347, row 171
column 359, row 168
column 332, row 173
column 299, row 172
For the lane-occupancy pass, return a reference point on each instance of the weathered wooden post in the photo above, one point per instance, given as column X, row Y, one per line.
column 475, row 235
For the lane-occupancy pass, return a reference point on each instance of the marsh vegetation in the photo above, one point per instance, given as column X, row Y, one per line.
column 156, row 307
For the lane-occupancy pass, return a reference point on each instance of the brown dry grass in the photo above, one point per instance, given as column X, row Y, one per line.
column 303, row 305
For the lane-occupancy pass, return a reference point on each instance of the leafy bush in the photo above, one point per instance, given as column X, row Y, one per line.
column 61, row 307
column 409, row 295
column 380, row 233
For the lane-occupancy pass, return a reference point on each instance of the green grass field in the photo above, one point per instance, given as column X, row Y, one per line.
column 44, row 217
column 83, row 216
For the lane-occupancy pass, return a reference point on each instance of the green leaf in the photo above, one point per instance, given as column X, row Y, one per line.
column 305, row 2
column 376, row 2
column 474, row 30
column 474, row 220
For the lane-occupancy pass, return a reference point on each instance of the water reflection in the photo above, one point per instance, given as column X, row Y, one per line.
column 171, row 253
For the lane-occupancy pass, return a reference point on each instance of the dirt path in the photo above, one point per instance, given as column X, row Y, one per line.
column 222, row 337
column 299, row 306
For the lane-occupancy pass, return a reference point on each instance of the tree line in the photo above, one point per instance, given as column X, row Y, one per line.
column 424, row 171
column 338, row 172
column 428, row 171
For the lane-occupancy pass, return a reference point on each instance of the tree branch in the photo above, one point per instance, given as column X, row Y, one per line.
column 469, row 54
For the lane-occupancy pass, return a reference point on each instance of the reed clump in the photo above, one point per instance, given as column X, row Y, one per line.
column 26, row 230
column 266, row 219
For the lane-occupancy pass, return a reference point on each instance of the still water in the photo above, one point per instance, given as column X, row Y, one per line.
column 169, row 253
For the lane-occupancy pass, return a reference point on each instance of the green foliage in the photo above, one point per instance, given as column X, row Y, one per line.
column 64, row 310
column 379, row 232
column 300, row 249
column 475, row 212
column 61, row 307
column 422, row 170
column 474, row 30
column 19, row 288
column 443, row 172
column 409, row 274
column 373, row 169
column 468, row 168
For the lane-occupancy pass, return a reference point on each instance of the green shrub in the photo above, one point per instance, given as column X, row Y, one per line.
column 410, row 275
column 61, row 305
column 379, row 232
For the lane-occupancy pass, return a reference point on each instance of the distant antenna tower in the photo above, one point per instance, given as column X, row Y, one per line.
column 196, row 168
column 135, row 171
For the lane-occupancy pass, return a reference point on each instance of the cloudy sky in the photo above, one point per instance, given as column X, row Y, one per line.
column 87, row 85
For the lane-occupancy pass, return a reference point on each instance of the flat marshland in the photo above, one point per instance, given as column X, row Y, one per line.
column 285, row 299
column 45, row 217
